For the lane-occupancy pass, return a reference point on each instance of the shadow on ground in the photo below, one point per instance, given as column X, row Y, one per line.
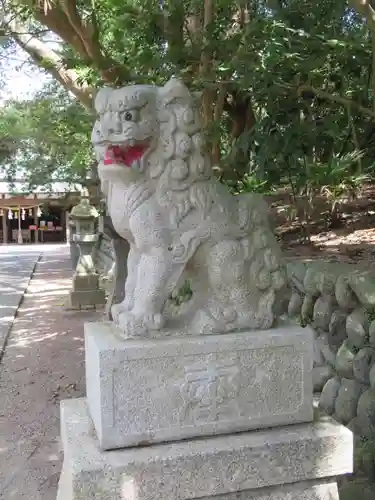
column 43, row 364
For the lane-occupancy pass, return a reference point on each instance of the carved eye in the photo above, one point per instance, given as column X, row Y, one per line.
column 131, row 116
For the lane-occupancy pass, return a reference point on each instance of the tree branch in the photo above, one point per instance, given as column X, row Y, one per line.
column 70, row 9
column 46, row 58
column 83, row 38
column 57, row 21
column 365, row 8
column 345, row 101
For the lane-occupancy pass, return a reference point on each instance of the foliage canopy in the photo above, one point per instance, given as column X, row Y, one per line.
column 46, row 139
column 288, row 85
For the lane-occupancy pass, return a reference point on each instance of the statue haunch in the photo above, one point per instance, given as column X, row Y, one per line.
column 180, row 222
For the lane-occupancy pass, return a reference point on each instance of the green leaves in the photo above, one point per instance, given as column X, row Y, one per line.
column 47, row 138
column 284, row 72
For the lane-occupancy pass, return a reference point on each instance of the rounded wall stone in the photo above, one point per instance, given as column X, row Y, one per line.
column 326, row 282
column 347, row 400
column 366, row 413
column 322, row 342
column 329, row 395
column 337, row 327
column 307, row 308
column 357, row 327
column 362, row 363
column 363, row 457
column 310, row 281
column 323, row 309
column 344, row 360
column 321, row 374
column 295, row 304
column 362, row 284
column 372, row 333
column 344, row 294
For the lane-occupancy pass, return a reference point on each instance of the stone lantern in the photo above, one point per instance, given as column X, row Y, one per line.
column 85, row 290
column 74, row 250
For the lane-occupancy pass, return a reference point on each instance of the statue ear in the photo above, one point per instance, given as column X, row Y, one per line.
column 101, row 98
column 174, row 89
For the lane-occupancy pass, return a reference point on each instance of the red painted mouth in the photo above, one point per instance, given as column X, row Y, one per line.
column 124, row 155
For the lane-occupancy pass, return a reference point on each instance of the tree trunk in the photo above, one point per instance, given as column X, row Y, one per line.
column 240, row 110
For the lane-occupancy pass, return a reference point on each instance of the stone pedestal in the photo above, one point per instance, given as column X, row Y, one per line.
column 203, row 417
column 148, row 391
column 85, row 287
column 297, row 462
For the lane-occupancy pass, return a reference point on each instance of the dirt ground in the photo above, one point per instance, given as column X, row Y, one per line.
column 351, row 241
column 43, row 364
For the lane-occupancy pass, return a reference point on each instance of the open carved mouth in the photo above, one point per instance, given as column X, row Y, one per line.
column 124, row 155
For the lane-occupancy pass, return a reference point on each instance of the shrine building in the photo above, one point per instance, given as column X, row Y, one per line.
column 35, row 217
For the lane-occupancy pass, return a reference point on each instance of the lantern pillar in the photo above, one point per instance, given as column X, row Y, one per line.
column 19, row 235
column 5, row 226
column 36, row 232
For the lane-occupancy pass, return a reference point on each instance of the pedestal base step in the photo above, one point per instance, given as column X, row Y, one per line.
column 85, row 298
column 297, row 462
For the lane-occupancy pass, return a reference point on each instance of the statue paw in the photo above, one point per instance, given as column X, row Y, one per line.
column 154, row 321
column 139, row 325
column 118, row 309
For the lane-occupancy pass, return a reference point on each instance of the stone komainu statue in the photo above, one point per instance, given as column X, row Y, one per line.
column 181, row 223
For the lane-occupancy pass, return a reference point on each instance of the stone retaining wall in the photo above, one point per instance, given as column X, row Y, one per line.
column 338, row 300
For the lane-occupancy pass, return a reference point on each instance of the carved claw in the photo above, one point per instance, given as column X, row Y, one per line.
column 118, row 309
column 138, row 326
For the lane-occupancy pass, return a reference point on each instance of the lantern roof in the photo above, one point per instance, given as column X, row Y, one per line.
column 84, row 210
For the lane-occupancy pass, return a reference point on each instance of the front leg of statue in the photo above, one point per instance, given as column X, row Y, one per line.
column 117, row 293
column 130, row 284
column 157, row 277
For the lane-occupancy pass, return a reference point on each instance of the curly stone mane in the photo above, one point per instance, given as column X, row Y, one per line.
column 180, row 179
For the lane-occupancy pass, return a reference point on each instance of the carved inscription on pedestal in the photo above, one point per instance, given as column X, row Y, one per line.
column 210, row 390
column 207, row 389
